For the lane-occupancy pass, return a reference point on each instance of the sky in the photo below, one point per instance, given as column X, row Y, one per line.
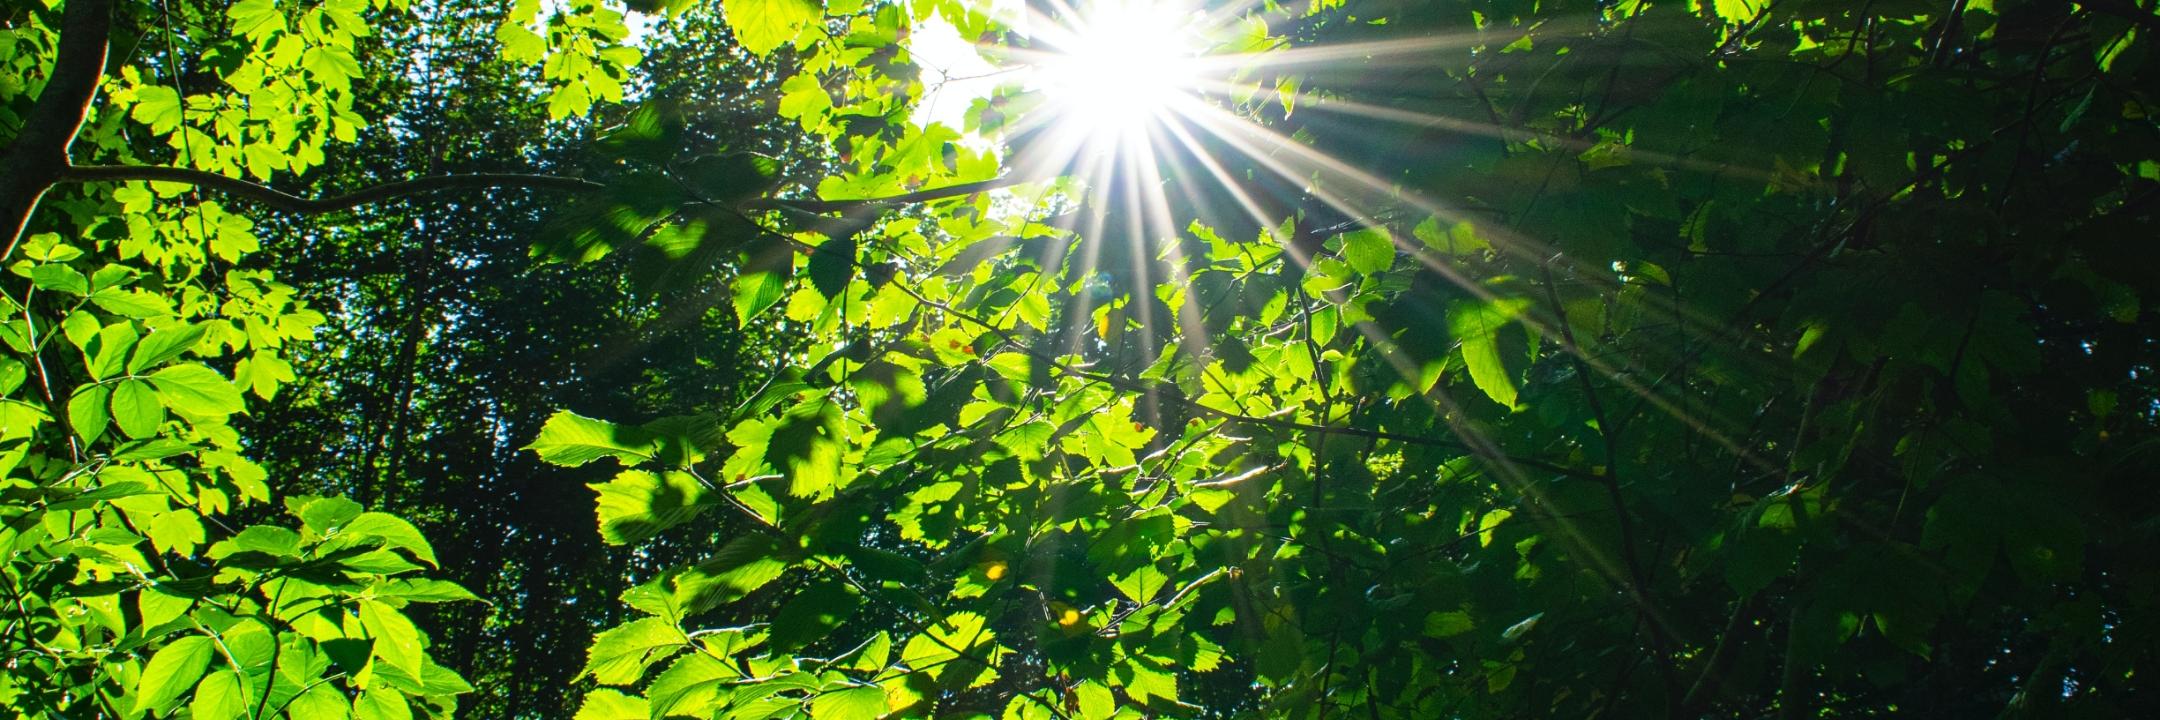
column 954, row 73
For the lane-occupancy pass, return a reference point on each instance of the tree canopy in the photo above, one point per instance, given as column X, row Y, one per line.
column 933, row 358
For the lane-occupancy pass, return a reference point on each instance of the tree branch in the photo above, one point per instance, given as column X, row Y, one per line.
column 1638, row 580
column 1702, row 693
column 2126, row 10
column 282, row 200
column 35, row 159
column 830, row 206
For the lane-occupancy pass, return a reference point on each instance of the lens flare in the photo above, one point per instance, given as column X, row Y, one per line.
column 1120, row 66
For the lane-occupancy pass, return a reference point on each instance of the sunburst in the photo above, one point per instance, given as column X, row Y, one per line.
column 1137, row 100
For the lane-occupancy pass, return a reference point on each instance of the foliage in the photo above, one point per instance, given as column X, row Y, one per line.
column 128, row 585
column 446, row 349
column 1587, row 420
column 1553, row 359
column 149, row 568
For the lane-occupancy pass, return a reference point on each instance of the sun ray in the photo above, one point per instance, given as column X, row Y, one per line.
column 1158, row 215
column 1119, row 76
column 1245, row 142
column 1415, row 51
column 1329, row 104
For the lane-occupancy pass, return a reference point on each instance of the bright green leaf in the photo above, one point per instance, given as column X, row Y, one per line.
column 221, row 696
column 610, row 704
column 196, row 390
column 572, row 440
column 855, row 703
column 1369, row 251
column 1477, row 325
column 171, row 672
column 637, row 505
column 620, row 655
column 397, row 641
column 764, row 25
column 135, row 409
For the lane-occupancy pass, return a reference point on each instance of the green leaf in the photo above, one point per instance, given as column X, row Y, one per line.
column 1097, row 702
column 621, row 655
column 18, row 419
column 1458, row 239
column 158, row 107
column 12, row 375
column 254, row 16
column 397, row 641
column 136, row 410
column 107, row 352
column 570, row 439
column 425, row 590
column 177, row 531
column 943, row 643
column 855, row 703
column 740, row 567
column 441, row 681
column 325, row 514
column 1142, row 584
column 60, row 278
column 1736, row 12
column 1447, row 624
column 159, row 606
column 164, row 345
column 1143, row 682
column 692, row 682
column 266, row 539
column 1369, row 251
column 1477, row 325
column 832, row 266
column 131, row 303
column 805, row 446
column 171, row 672
column 196, row 390
column 637, row 505
column 389, row 530
column 263, row 372
column 761, row 278
column 757, row 291
column 89, row 411
column 764, row 25
column 803, row 96
column 321, row 702
column 520, row 45
column 814, row 613
column 381, row 705
column 221, row 696
column 610, row 704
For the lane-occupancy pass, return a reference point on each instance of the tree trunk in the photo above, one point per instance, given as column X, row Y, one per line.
column 38, row 156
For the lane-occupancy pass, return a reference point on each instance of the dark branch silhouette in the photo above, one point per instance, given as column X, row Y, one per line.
column 37, row 158
column 282, row 200
column 919, row 196
column 38, row 155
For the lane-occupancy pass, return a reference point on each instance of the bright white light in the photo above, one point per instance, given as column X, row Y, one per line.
column 1120, row 66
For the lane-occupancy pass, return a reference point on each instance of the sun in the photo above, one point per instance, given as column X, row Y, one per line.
column 1117, row 66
